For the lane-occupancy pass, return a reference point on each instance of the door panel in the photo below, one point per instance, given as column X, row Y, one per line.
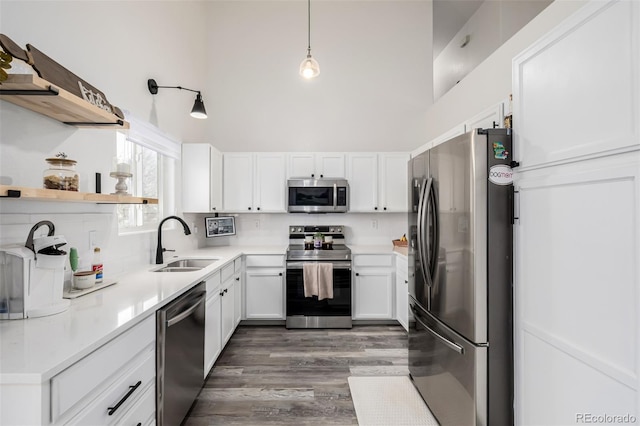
column 449, row 372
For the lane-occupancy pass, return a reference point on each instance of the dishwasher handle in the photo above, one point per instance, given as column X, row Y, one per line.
column 196, row 301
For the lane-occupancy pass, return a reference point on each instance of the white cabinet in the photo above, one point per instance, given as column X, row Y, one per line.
column 201, row 178
column 316, row 165
column 270, row 183
column 373, row 287
column 254, row 182
column 237, row 293
column 85, row 392
column 227, row 302
column 362, row 174
column 212, row 328
column 264, row 287
column 377, row 182
column 402, row 292
column 393, row 181
column 577, row 240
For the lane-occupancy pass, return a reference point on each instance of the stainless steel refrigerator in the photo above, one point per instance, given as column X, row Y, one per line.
column 460, row 285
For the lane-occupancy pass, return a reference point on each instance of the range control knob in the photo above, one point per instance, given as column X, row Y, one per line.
column 339, row 230
column 300, row 229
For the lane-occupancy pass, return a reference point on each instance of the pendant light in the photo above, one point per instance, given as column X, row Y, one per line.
column 309, row 68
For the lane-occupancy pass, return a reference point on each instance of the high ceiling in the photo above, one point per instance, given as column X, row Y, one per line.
column 448, row 17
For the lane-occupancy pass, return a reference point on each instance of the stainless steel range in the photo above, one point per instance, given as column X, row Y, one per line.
column 311, row 311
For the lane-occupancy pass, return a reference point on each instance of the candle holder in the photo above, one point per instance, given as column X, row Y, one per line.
column 121, row 185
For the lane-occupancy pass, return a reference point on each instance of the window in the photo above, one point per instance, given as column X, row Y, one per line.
column 152, row 158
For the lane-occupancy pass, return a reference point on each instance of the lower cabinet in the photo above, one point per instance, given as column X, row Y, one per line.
column 113, row 385
column 264, row 287
column 402, row 292
column 213, row 332
column 227, row 296
column 237, row 292
column 373, row 287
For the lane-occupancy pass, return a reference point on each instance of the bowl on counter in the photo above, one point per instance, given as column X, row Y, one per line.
column 84, row 279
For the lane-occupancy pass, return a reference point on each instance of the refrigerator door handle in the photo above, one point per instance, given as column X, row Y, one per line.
column 434, row 237
column 448, row 343
column 422, row 249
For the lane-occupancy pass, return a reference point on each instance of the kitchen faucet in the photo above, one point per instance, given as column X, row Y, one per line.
column 159, row 248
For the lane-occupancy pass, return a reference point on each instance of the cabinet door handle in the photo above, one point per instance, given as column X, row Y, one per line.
column 237, row 278
column 406, row 281
column 280, row 274
column 226, row 290
column 375, row 208
column 384, row 208
column 221, row 293
column 132, row 389
column 321, row 176
column 313, row 175
column 357, row 274
column 213, row 208
column 249, row 208
column 258, row 208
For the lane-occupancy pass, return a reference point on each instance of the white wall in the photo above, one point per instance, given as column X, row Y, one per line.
column 373, row 89
column 270, row 229
column 490, row 82
column 490, row 26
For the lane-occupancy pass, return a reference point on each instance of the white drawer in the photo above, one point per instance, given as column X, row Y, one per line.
column 100, row 368
column 126, row 391
column 213, row 282
column 143, row 411
column 237, row 265
column 379, row 260
column 265, row 260
column 227, row 272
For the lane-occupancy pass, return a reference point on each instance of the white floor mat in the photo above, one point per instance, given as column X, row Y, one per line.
column 389, row 401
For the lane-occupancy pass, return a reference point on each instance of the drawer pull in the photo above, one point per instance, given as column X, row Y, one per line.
column 132, row 389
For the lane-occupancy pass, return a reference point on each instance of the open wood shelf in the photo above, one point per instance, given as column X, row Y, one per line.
column 38, row 95
column 38, row 194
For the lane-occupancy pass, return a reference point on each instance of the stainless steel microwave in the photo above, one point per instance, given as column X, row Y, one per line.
column 326, row 195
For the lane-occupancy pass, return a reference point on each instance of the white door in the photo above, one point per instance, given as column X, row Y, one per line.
column 216, row 180
column 270, row 183
column 238, row 182
column 264, row 297
column 228, row 309
column 196, row 178
column 577, row 241
column 301, row 164
column 393, row 182
column 212, row 330
column 362, row 173
column 373, row 294
column 329, row 165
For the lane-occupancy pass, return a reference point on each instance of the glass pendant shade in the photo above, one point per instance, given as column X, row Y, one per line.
column 198, row 110
column 309, row 68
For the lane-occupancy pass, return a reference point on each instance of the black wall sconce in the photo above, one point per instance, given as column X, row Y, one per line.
column 197, row 111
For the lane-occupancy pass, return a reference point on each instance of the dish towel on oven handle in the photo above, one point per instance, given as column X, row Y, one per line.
column 318, row 280
column 310, row 279
column 325, row 281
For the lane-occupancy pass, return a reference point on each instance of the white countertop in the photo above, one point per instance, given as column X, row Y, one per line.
column 36, row 349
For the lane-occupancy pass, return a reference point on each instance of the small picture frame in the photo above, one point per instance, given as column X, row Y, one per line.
column 220, row 226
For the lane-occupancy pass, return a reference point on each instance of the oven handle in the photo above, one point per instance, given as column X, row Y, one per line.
column 336, row 265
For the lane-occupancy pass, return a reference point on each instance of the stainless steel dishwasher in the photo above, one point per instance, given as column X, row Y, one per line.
column 180, row 355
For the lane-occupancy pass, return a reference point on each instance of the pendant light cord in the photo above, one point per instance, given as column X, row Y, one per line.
column 309, row 27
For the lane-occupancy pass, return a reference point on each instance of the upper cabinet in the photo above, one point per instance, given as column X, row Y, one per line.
column 201, row 178
column 377, row 182
column 254, row 182
column 38, row 95
column 316, row 165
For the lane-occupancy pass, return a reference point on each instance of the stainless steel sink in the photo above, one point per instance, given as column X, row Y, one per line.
column 186, row 265
column 191, row 263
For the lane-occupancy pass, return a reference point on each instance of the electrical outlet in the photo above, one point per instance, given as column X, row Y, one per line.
column 374, row 224
column 257, row 222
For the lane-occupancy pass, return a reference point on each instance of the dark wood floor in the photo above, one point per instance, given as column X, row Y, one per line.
column 268, row 375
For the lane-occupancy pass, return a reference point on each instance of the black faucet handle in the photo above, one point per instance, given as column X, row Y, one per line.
column 164, row 249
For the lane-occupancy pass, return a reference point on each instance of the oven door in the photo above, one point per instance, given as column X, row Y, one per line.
column 298, row 305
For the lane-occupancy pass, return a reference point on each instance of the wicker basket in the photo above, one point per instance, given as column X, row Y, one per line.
column 401, row 246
